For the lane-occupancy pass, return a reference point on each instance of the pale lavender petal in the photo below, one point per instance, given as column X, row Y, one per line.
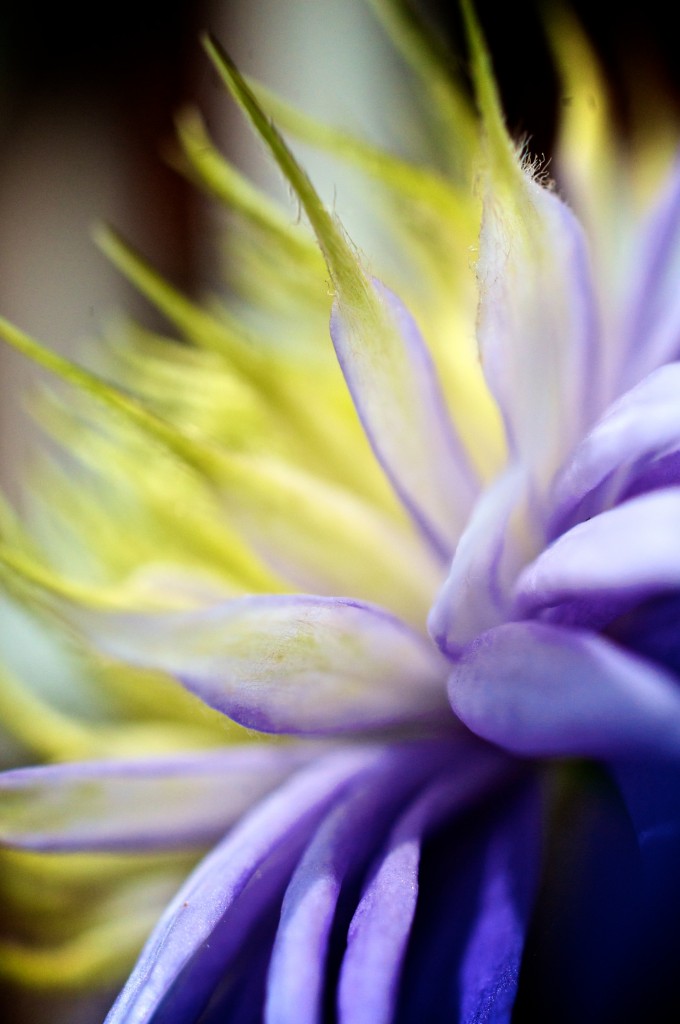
column 340, row 848
column 477, row 592
column 651, row 322
column 204, row 927
column 398, row 397
column 181, row 801
column 604, row 566
column 297, row 664
column 637, row 431
column 537, row 324
column 489, row 971
column 540, row 690
column 380, row 929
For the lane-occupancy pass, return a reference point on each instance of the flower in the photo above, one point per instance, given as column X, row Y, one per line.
column 463, row 822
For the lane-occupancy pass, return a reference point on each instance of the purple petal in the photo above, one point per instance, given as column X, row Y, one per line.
column 288, row 663
column 651, row 630
column 398, row 397
column 651, row 791
column 651, row 323
column 489, row 972
column 204, row 927
column 637, row 431
column 477, row 595
column 166, row 803
column 378, row 935
column 340, row 847
column 604, row 566
column 540, row 690
column 459, row 865
column 537, row 323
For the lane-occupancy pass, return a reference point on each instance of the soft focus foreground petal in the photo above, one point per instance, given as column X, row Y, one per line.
column 384, row 370
column 604, row 566
column 395, row 389
column 621, row 451
column 380, row 928
column 333, row 859
column 288, row 663
column 540, row 690
column 179, row 802
column 537, row 315
column 203, row 928
column 497, row 541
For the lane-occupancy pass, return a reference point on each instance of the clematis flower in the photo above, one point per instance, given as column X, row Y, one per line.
column 452, row 792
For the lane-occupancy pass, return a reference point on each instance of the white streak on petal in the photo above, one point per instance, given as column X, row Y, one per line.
column 211, row 896
column 174, row 802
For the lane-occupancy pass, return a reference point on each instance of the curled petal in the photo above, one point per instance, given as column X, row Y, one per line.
column 288, row 663
column 152, row 804
column 621, row 451
column 604, row 566
column 540, row 690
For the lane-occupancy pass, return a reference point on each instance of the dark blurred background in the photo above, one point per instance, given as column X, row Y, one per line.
column 87, row 104
column 116, row 76
column 122, row 71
